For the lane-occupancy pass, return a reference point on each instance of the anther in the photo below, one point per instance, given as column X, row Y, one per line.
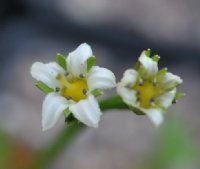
column 81, row 75
column 141, row 82
column 152, row 102
column 154, row 82
column 57, row 89
column 138, row 100
column 84, row 91
column 68, row 97
column 129, row 86
column 138, row 92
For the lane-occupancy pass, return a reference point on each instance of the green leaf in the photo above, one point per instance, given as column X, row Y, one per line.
column 61, row 60
column 96, row 92
column 91, row 62
column 43, row 87
column 148, row 52
column 178, row 96
column 156, row 58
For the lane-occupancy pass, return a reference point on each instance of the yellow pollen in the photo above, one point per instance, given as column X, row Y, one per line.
column 74, row 88
column 147, row 92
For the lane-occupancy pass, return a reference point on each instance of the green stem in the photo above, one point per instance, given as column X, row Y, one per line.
column 114, row 102
column 67, row 135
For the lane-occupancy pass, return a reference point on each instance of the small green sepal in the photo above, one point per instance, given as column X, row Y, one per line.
column 61, row 60
column 67, row 112
column 163, row 71
column 91, row 62
column 96, row 92
column 161, row 74
column 137, row 65
column 136, row 110
column 70, row 119
column 148, row 52
column 178, row 96
column 43, row 87
column 156, row 58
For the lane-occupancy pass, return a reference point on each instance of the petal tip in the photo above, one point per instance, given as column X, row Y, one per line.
column 85, row 47
column 150, row 66
column 44, row 127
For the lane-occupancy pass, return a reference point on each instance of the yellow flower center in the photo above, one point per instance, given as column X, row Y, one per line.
column 74, row 88
column 147, row 92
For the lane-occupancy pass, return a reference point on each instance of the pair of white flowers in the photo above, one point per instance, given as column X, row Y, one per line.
column 72, row 84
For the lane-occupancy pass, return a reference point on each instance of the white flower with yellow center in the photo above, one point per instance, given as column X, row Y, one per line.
column 147, row 90
column 72, row 84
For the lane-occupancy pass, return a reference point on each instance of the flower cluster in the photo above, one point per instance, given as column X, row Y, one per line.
column 72, row 84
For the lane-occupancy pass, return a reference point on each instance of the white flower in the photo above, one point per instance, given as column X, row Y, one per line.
column 72, row 84
column 147, row 90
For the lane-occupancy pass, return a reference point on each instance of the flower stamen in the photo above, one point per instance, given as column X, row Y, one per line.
column 74, row 87
column 57, row 89
column 154, row 82
column 81, row 76
column 152, row 102
column 68, row 97
column 141, row 82
column 146, row 91
column 84, row 91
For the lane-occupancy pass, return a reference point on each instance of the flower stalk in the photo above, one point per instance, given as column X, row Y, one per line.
column 64, row 138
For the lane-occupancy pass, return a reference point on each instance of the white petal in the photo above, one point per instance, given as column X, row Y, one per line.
column 55, row 69
column 129, row 78
column 156, row 115
column 170, row 81
column 100, row 78
column 150, row 66
column 167, row 98
column 52, row 108
column 87, row 111
column 46, row 73
column 77, row 60
column 129, row 96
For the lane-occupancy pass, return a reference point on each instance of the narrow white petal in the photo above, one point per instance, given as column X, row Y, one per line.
column 52, row 108
column 167, row 98
column 100, row 78
column 46, row 73
column 129, row 96
column 77, row 60
column 170, row 81
column 150, row 66
column 55, row 69
column 156, row 115
column 129, row 78
column 87, row 111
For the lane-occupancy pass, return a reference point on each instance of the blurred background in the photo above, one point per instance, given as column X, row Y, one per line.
column 117, row 30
